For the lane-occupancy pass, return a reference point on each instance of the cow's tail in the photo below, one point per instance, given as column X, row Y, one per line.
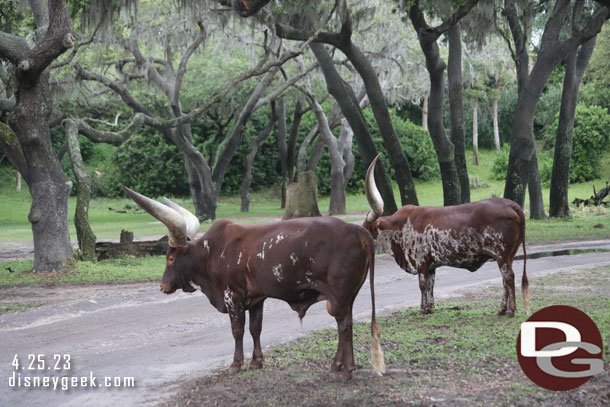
column 525, row 286
column 377, row 359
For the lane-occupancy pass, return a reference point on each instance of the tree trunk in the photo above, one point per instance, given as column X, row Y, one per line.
column 397, row 156
column 553, row 50
column 245, row 185
column 348, row 102
column 302, row 197
column 282, row 145
column 456, row 107
column 576, row 64
column 445, row 149
column 337, row 163
column 475, row 130
column 49, row 187
column 291, row 150
column 424, row 113
column 494, row 114
column 535, row 191
column 84, row 233
column 32, row 153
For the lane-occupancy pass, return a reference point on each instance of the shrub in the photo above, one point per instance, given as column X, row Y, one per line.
column 591, row 139
column 500, row 166
column 151, row 165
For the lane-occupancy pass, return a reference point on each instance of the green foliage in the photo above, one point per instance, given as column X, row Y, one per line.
column 500, row 166
column 549, row 104
column 545, row 167
column 151, row 165
column 591, row 139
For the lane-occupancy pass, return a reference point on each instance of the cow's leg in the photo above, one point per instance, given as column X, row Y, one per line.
column 238, row 320
column 508, row 281
column 345, row 350
column 337, row 363
column 256, row 326
column 426, row 286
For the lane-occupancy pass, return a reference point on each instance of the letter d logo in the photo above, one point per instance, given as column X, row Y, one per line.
column 559, row 348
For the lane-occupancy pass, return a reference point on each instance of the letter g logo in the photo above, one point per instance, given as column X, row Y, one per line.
column 555, row 344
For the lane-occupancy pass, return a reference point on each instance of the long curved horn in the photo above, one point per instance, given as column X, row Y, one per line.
column 372, row 193
column 173, row 220
column 192, row 223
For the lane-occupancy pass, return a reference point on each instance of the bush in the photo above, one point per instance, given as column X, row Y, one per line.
column 151, row 165
column 500, row 166
column 591, row 139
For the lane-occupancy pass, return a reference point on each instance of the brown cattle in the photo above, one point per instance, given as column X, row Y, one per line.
column 301, row 261
column 464, row 236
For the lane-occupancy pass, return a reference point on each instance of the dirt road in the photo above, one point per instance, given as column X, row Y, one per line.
column 159, row 340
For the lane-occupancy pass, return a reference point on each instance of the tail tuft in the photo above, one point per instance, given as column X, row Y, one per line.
column 525, row 294
column 377, row 359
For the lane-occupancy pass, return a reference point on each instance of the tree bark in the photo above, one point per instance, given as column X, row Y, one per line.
column 456, row 107
column 424, row 113
column 445, row 150
column 535, row 191
column 84, row 233
column 302, row 197
column 33, row 152
column 475, row 131
column 348, row 102
column 282, row 146
column 494, row 114
column 338, row 165
column 576, row 64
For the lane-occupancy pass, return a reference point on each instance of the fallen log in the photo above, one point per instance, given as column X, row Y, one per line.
column 112, row 250
column 597, row 199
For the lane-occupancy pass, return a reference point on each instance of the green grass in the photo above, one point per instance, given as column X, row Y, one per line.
column 106, row 223
column 124, row 270
column 5, row 308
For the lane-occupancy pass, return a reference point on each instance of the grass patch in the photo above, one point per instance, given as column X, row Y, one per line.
column 107, row 223
column 462, row 355
column 4, row 308
column 124, row 270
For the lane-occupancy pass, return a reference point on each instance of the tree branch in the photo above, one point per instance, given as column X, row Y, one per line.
column 455, row 17
column 122, row 91
column 184, row 61
column 7, row 105
column 13, row 48
column 56, row 41
column 290, row 82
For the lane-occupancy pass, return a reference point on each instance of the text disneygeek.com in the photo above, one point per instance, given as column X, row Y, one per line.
column 28, row 374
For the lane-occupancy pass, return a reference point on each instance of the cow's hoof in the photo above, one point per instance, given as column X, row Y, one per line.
column 347, row 374
column 336, row 366
column 426, row 311
column 502, row 312
column 234, row 368
column 510, row 313
column 256, row 364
